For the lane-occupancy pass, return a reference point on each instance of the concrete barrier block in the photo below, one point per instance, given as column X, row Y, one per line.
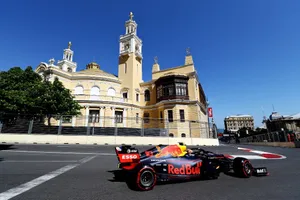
column 295, row 144
column 100, row 140
column 67, row 139
column 130, row 140
column 40, row 139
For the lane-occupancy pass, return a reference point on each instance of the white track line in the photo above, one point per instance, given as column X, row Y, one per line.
column 42, row 161
column 31, row 184
column 60, row 152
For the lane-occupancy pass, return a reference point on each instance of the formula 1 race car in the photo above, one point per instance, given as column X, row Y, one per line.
column 165, row 163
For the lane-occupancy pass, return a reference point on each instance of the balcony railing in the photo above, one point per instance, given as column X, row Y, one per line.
column 101, row 98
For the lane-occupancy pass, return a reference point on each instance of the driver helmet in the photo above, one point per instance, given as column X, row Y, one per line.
column 182, row 147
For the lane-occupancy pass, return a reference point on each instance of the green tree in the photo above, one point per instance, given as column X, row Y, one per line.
column 24, row 93
column 58, row 101
column 18, row 92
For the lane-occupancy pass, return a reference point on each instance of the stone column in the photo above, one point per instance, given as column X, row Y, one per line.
column 102, row 116
column 87, row 112
column 113, row 116
column 124, row 116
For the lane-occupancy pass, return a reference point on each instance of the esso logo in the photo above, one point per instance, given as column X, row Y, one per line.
column 129, row 157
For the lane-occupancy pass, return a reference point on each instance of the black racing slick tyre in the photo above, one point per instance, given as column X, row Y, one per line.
column 143, row 179
column 242, row 167
column 146, row 179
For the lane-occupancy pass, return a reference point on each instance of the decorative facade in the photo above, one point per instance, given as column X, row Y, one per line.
column 235, row 122
column 173, row 98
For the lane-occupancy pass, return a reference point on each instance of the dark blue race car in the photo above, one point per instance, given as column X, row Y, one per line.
column 164, row 163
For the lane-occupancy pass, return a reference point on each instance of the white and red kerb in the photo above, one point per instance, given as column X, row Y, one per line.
column 261, row 155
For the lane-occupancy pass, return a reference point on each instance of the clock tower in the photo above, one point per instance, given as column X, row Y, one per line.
column 130, row 60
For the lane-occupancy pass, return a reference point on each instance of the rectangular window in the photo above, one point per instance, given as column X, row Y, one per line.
column 170, row 115
column 119, row 116
column 168, row 90
column 182, row 116
column 146, row 117
column 181, row 89
column 94, row 116
column 159, row 92
column 125, row 95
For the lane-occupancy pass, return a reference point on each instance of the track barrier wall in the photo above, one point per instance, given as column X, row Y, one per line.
column 102, row 140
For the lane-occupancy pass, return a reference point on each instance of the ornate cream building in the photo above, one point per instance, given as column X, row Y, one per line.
column 169, row 101
column 235, row 122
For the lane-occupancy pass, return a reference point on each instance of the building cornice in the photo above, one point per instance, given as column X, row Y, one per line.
column 107, row 102
column 172, row 68
column 155, row 106
column 132, row 35
column 72, row 76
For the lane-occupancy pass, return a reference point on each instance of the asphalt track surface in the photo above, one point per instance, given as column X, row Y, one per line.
column 83, row 172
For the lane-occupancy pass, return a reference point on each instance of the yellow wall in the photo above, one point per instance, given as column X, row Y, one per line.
column 132, row 77
column 181, row 70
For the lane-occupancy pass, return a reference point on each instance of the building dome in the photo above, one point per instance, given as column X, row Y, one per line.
column 92, row 65
column 275, row 115
column 93, row 70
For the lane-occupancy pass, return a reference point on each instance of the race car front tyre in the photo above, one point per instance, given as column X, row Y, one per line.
column 242, row 167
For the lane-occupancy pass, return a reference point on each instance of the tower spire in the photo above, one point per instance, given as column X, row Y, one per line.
column 188, row 57
column 131, row 16
column 155, row 66
column 67, row 63
column 130, row 42
column 131, row 25
column 69, row 45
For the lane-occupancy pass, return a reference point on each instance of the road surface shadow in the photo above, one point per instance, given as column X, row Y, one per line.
column 6, row 147
column 232, row 174
column 120, row 176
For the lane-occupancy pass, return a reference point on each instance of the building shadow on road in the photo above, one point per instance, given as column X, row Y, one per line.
column 6, row 147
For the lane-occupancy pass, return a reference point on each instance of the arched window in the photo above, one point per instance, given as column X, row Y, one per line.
column 95, row 90
column 78, row 89
column 111, row 92
column 147, row 95
column 183, row 135
column 171, row 135
column 69, row 69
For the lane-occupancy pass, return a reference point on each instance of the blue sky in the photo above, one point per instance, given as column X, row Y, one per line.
column 247, row 53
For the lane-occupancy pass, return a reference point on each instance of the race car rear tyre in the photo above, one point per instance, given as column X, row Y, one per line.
column 146, row 179
column 142, row 179
column 242, row 167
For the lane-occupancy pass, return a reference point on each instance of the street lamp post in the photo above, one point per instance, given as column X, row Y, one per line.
column 207, row 105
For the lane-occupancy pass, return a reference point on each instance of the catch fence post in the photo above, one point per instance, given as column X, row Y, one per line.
column 60, row 125
column 30, row 127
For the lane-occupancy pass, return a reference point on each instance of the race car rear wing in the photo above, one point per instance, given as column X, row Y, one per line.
column 127, row 154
